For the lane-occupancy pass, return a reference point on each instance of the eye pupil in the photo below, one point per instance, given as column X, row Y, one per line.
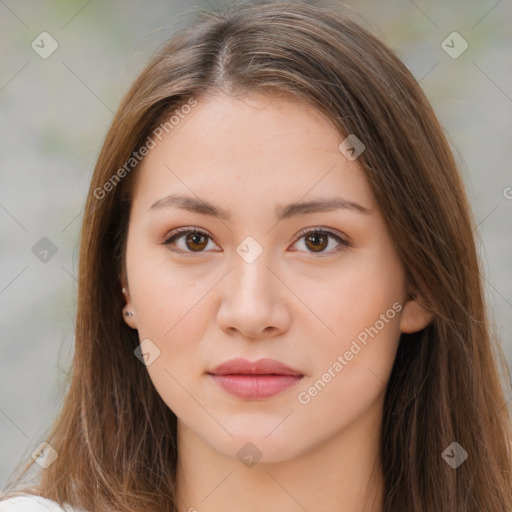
column 316, row 236
column 194, row 237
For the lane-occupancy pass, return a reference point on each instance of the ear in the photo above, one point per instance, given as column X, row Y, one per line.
column 414, row 317
column 130, row 319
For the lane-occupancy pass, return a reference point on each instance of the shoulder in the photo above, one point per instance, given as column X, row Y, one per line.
column 32, row 503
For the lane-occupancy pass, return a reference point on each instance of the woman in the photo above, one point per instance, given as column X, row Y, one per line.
column 280, row 300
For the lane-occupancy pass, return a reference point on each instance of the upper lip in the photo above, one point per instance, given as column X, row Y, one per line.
column 261, row 367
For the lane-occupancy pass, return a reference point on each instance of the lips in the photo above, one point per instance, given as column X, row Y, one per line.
column 255, row 380
column 260, row 367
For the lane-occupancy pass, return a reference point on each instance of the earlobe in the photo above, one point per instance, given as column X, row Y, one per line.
column 128, row 313
column 415, row 317
column 129, row 318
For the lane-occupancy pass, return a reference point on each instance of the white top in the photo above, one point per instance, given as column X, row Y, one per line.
column 32, row 503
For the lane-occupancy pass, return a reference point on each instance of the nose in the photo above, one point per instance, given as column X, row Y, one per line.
column 253, row 301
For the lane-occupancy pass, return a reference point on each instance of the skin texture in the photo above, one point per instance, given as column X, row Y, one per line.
column 250, row 156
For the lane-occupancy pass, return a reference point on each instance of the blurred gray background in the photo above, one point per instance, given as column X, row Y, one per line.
column 55, row 111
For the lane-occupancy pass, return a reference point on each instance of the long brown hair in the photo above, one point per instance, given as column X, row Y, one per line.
column 116, row 438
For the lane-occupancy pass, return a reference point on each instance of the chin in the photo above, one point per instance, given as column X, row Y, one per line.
column 255, row 446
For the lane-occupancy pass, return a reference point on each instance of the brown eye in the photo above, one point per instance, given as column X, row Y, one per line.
column 317, row 241
column 194, row 240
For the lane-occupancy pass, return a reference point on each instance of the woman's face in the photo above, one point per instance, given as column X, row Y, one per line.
column 256, row 283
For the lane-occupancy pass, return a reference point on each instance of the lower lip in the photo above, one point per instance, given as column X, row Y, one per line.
column 256, row 386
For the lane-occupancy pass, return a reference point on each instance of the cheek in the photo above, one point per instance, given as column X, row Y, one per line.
column 362, row 308
column 171, row 314
column 351, row 369
column 163, row 294
column 361, row 290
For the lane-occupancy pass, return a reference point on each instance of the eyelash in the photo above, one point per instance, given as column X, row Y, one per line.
column 179, row 232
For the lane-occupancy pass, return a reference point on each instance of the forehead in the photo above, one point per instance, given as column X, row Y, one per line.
column 256, row 147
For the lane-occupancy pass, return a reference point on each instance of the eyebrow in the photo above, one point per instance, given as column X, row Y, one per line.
column 203, row 207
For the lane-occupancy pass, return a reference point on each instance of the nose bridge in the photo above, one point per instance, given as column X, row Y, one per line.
column 250, row 301
column 251, row 272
